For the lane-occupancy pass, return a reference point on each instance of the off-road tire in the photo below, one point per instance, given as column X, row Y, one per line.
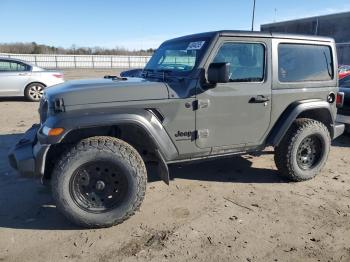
column 104, row 149
column 286, row 151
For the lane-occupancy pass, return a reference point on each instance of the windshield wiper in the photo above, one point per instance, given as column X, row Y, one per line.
column 249, row 79
column 164, row 72
column 145, row 72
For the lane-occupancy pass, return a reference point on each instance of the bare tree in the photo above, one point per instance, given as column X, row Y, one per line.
column 34, row 48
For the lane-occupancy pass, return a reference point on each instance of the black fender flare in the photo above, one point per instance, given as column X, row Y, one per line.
column 142, row 118
column 291, row 113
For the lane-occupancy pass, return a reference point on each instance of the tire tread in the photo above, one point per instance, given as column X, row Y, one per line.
column 283, row 151
column 116, row 146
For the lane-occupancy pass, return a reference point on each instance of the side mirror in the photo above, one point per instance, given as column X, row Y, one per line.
column 219, row 73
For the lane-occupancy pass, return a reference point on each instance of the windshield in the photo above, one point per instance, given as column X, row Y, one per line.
column 180, row 56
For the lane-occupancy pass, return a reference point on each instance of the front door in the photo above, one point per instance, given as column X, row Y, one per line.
column 236, row 114
column 13, row 77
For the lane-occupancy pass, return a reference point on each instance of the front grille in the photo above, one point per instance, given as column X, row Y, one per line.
column 43, row 110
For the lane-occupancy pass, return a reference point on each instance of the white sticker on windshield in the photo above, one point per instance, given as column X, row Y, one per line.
column 195, row 45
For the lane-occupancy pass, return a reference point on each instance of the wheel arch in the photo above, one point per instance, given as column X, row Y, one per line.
column 34, row 82
column 30, row 83
column 314, row 109
column 140, row 131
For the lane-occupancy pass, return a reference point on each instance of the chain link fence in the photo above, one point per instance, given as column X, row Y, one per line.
column 81, row 61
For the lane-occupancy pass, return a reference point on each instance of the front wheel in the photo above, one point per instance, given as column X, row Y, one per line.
column 304, row 150
column 100, row 182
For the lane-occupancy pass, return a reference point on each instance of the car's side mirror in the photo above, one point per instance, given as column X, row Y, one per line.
column 219, row 73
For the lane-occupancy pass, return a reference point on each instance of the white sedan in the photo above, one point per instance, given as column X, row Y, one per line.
column 19, row 78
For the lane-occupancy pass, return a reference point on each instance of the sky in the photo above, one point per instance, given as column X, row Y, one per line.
column 142, row 24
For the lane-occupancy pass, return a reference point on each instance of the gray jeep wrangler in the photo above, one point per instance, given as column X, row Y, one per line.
column 200, row 96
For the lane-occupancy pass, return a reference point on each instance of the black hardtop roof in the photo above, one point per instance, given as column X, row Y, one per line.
column 237, row 33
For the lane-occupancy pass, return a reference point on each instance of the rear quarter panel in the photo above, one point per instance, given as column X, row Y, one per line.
column 345, row 109
column 46, row 78
column 284, row 94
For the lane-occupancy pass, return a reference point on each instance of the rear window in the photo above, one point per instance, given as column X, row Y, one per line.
column 300, row 63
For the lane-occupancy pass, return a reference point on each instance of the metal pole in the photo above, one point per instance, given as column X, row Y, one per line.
column 316, row 31
column 253, row 17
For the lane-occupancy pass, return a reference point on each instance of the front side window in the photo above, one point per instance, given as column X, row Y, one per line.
column 178, row 56
column 246, row 61
column 9, row 66
column 301, row 62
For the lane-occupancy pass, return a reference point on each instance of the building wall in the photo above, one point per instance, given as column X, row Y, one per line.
column 336, row 26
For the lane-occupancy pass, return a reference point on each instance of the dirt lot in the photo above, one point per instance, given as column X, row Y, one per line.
column 236, row 209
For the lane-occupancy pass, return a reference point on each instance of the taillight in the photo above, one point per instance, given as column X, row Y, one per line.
column 58, row 75
column 340, row 99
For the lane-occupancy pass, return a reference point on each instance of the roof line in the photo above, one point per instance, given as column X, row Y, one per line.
column 307, row 18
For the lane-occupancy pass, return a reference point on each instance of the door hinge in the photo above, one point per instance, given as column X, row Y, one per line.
column 202, row 134
column 200, row 104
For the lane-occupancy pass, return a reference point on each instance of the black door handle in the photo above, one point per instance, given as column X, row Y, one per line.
column 259, row 99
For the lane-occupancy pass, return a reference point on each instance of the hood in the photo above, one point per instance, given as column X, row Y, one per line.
column 92, row 91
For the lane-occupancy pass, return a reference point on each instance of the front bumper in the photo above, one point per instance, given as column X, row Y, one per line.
column 28, row 155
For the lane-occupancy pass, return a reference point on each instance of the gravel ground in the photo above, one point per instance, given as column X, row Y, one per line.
column 235, row 209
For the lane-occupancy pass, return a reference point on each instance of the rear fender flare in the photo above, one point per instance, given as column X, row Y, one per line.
column 291, row 113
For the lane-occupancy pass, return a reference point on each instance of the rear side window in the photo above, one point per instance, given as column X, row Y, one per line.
column 299, row 63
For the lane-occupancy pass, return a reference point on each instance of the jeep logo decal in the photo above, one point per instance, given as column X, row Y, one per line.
column 183, row 134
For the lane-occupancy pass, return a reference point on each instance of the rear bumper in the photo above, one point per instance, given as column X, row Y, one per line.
column 343, row 119
column 28, row 155
column 338, row 129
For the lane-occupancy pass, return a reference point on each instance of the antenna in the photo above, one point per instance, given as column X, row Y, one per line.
column 253, row 17
column 275, row 15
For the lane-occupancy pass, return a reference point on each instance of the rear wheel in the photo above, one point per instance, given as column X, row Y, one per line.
column 100, row 182
column 34, row 92
column 304, row 150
